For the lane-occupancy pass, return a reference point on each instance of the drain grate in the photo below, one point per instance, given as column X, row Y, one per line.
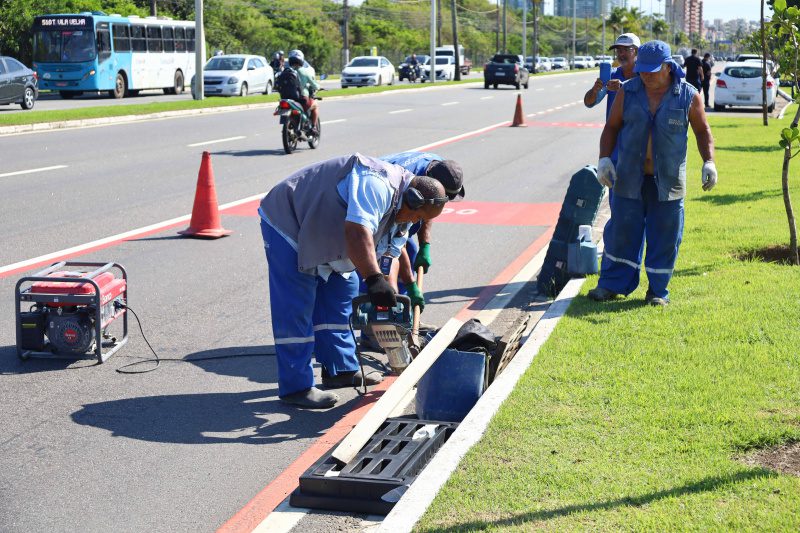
column 388, row 463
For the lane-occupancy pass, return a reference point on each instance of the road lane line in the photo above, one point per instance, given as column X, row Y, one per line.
column 31, row 171
column 396, row 111
column 490, row 97
column 540, row 89
column 450, row 103
column 333, row 121
column 239, row 137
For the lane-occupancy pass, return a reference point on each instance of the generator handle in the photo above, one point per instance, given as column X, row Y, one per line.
column 52, row 268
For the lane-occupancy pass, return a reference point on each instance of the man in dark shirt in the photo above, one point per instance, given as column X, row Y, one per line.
column 694, row 70
column 706, row 77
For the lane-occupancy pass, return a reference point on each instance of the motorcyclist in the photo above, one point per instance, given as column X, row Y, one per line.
column 413, row 64
column 277, row 62
column 307, row 84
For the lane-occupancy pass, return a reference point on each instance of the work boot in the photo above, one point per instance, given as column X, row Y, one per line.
column 354, row 378
column 599, row 294
column 312, row 398
column 652, row 299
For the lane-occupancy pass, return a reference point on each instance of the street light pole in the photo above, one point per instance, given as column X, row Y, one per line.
column 199, row 50
column 432, row 61
column 574, row 27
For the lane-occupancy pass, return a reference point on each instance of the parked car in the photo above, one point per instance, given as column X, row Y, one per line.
column 505, row 69
column 402, row 70
column 236, row 75
column 603, row 59
column 583, row 62
column 18, row 83
column 543, row 64
column 745, row 57
column 771, row 68
column 678, row 58
column 739, row 84
column 560, row 63
column 364, row 71
column 445, row 68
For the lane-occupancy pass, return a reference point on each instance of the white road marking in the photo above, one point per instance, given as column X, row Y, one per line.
column 540, row 89
column 490, row 97
column 450, row 103
column 31, row 171
column 556, row 86
column 217, row 141
column 396, row 111
column 333, row 121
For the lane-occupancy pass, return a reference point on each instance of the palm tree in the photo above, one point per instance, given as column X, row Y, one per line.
column 618, row 19
column 660, row 27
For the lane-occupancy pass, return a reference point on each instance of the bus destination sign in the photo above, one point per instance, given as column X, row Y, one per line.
column 63, row 23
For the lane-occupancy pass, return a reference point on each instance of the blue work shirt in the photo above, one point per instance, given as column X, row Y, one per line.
column 616, row 74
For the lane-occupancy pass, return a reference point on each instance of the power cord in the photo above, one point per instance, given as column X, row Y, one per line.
column 158, row 360
column 361, row 358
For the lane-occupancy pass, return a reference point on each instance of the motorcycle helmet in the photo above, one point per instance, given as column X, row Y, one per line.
column 298, row 54
column 295, row 62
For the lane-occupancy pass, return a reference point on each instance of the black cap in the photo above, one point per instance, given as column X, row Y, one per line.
column 449, row 174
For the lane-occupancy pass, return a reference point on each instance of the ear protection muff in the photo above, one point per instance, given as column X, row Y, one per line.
column 414, row 199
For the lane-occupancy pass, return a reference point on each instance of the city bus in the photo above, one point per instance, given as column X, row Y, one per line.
column 122, row 55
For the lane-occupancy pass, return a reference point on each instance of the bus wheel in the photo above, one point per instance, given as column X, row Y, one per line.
column 119, row 87
column 177, row 85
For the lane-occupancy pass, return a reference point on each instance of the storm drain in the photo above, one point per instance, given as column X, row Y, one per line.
column 379, row 474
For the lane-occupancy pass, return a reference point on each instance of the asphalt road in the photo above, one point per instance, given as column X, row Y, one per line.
column 186, row 446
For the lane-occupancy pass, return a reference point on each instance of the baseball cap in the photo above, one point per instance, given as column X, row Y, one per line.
column 626, row 39
column 652, row 55
column 449, row 174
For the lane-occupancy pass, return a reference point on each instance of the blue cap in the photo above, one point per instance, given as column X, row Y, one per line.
column 652, row 55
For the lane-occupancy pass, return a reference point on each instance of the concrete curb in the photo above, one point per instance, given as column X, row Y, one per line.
column 420, row 495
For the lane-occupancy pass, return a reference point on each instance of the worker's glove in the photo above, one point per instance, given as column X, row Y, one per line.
column 380, row 292
column 423, row 258
column 415, row 293
column 606, row 173
column 709, row 175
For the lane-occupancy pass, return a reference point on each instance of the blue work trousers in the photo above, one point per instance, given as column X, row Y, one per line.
column 309, row 315
column 632, row 223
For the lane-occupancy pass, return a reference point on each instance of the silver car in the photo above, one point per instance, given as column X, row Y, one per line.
column 237, row 75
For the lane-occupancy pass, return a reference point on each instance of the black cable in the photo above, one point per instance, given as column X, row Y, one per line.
column 360, row 358
column 158, row 359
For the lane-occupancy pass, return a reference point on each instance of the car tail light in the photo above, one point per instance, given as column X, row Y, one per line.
column 284, row 104
column 770, row 84
column 35, row 76
column 516, row 68
column 721, row 83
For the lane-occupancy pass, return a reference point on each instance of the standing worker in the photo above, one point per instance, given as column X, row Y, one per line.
column 625, row 48
column 649, row 120
column 707, row 64
column 318, row 226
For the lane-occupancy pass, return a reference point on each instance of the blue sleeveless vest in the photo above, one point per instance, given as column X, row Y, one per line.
column 669, row 126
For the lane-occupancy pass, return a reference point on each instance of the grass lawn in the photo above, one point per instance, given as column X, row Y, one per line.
column 636, row 418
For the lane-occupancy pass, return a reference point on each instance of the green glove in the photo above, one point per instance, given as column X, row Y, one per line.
column 423, row 258
column 417, row 298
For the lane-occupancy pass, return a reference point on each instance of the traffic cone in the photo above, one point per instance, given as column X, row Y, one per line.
column 519, row 117
column 205, row 222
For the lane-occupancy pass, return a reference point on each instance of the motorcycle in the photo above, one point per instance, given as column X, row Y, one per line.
column 296, row 125
column 413, row 73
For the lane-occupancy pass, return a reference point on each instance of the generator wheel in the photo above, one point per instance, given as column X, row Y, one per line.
column 290, row 134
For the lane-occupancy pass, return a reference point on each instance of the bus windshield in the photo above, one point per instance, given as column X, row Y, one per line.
column 63, row 46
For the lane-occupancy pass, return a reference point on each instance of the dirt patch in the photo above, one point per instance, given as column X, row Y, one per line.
column 784, row 459
column 771, row 254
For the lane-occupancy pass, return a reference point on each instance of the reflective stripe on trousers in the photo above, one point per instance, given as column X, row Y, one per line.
column 309, row 315
column 632, row 223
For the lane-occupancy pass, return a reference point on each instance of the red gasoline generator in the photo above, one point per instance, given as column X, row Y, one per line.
column 73, row 304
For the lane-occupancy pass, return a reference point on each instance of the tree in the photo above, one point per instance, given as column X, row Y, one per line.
column 785, row 23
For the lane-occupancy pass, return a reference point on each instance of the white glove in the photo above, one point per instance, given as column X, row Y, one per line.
column 709, row 175
column 607, row 174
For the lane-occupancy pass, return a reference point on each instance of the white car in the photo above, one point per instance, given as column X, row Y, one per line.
column 445, row 69
column 603, row 59
column 236, row 74
column 560, row 63
column 583, row 62
column 365, row 71
column 739, row 84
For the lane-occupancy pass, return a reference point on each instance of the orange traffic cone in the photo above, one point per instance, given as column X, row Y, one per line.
column 519, row 117
column 205, row 213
